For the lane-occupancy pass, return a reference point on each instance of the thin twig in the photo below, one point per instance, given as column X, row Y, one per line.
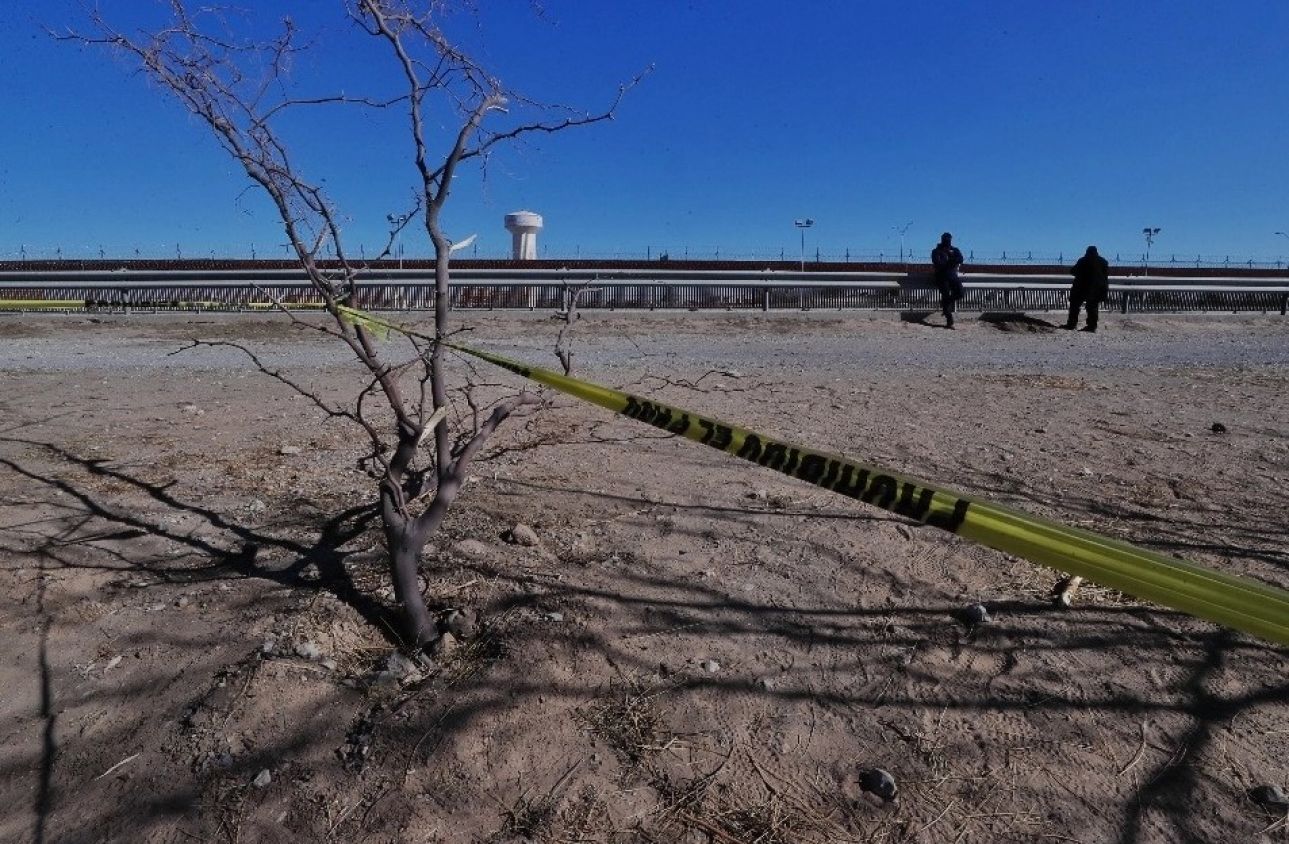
column 117, row 765
column 1141, row 749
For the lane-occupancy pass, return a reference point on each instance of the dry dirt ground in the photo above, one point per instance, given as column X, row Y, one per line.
column 697, row 650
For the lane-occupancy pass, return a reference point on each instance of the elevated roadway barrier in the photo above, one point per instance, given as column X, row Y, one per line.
column 620, row 289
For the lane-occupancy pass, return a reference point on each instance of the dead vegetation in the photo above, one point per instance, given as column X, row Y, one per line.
column 628, row 719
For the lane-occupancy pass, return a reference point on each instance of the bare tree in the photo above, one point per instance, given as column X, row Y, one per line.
column 241, row 88
column 568, row 315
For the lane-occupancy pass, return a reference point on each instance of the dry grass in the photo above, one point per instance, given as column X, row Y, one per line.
column 627, row 719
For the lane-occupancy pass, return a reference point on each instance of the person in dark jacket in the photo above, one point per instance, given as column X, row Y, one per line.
column 1091, row 286
column 946, row 259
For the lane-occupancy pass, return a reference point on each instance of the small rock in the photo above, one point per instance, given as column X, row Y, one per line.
column 1270, row 797
column 975, row 614
column 269, row 645
column 256, row 506
column 308, row 650
column 758, row 495
column 262, row 779
column 287, row 450
column 384, row 679
column 879, row 782
column 444, row 646
column 711, row 666
column 112, row 663
column 192, row 410
column 182, row 602
column 522, row 534
column 471, row 549
column 553, row 616
column 1218, row 428
column 400, row 666
column 464, row 624
column 329, row 664
column 903, row 530
column 1085, row 471
column 765, row 683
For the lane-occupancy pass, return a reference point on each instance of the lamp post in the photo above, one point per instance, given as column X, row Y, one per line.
column 396, row 222
column 1149, row 233
column 803, row 225
column 902, row 230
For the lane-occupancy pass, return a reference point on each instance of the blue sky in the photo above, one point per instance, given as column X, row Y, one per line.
column 1019, row 126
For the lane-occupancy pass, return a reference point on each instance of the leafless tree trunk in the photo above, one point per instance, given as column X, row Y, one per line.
column 569, row 316
column 240, row 88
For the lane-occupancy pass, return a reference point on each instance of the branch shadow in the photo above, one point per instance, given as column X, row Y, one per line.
column 325, row 553
column 897, row 653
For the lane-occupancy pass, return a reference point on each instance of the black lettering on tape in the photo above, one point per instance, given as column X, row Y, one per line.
column 709, row 428
column 772, row 456
column 791, row 465
column 751, row 448
column 722, row 438
column 663, row 417
column 681, row 425
column 952, row 521
column 811, row 469
column 633, row 407
column 849, row 489
column 906, row 506
column 833, row 466
column 882, row 492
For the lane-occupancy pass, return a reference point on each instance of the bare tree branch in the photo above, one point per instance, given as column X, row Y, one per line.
column 241, row 88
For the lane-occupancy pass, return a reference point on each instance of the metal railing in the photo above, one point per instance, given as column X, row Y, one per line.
column 889, row 254
column 529, row 289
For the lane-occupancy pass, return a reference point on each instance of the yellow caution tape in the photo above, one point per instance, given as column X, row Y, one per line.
column 41, row 304
column 1238, row 602
column 375, row 325
column 143, row 304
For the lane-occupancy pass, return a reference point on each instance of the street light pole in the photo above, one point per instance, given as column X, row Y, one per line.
column 397, row 221
column 902, row 229
column 803, row 225
column 1149, row 233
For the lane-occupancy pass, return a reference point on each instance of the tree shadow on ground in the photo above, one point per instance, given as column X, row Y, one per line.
column 899, row 653
column 1261, row 535
column 248, row 543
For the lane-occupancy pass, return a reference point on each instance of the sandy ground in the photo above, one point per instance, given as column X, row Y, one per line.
column 697, row 649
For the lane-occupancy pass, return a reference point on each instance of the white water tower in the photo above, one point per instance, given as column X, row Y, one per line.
column 523, row 227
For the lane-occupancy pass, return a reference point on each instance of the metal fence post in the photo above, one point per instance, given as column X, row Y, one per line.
column 765, row 300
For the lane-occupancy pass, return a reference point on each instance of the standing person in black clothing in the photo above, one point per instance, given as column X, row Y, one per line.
column 1091, row 286
column 947, row 260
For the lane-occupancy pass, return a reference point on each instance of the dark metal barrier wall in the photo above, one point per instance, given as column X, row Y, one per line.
column 705, row 295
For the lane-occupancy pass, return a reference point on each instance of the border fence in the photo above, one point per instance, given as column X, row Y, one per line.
column 134, row 291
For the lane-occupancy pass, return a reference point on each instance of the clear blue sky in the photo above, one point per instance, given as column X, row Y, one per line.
column 1016, row 125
